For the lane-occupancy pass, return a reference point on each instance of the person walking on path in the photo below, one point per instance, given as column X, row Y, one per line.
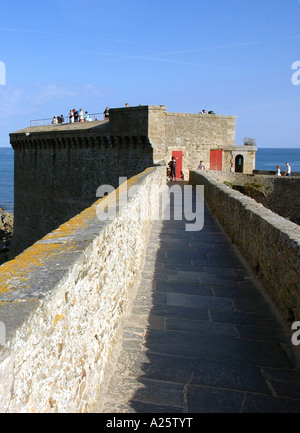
column 288, row 170
column 201, row 166
column 172, row 165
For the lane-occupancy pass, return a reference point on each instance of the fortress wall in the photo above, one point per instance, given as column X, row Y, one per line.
column 58, row 168
column 63, row 301
column 196, row 134
column 269, row 243
column 57, row 175
column 157, row 131
column 148, row 120
column 280, row 194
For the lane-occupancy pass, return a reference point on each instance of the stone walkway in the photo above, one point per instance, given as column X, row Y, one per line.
column 201, row 337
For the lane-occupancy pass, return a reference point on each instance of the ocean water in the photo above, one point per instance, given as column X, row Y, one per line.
column 266, row 159
column 7, row 179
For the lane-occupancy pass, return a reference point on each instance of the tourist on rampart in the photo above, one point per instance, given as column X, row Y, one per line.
column 288, row 170
column 201, row 166
column 86, row 117
column 54, row 121
column 61, row 119
column 278, row 170
column 71, row 116
column 172, row 165
column 81, row 115
column 203, row 112
column 106, row 113
column 76, row 115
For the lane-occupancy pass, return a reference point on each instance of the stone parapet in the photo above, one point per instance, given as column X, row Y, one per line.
column 63, row 300
column 280, row 194
column 269, row 242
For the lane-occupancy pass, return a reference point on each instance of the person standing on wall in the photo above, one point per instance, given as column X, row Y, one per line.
column 71, row 116
column 76, row 115
column 81, row 115
column 288, row 170
column 106, row 113
column 172, row 165
column 201, row 166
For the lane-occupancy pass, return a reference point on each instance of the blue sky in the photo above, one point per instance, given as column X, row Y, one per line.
column 234, row 57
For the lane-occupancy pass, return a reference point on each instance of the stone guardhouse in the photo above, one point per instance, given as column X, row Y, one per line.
column 188, row 137
column 58, row 168
column 194, row 137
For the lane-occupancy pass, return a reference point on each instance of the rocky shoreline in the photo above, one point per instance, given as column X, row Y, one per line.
column 6, row 233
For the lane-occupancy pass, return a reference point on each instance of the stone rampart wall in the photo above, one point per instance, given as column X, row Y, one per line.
column 281, row 194
column 57, row 175
column 269, row 243
column 63, row 300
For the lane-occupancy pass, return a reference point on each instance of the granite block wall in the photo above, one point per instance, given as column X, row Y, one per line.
column 280, row 194
column 269, row 242
column 55, row 180
column 63, row 302
column 196, row 134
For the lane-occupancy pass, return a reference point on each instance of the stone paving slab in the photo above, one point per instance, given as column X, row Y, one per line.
column 202, row 337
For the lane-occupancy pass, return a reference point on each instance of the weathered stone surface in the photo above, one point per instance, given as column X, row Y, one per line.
column 62, row 302
column 269, row 242
column 6, row 234
column 232, row 355
column 280, row 194
column 6, row 228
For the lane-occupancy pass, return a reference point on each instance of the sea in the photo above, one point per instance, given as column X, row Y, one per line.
column 7, row 179
column 266, row 159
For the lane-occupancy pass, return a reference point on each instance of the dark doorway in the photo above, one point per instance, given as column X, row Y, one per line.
column 239, row 164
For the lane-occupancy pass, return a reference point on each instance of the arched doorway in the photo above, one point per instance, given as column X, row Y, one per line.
column 239, row 164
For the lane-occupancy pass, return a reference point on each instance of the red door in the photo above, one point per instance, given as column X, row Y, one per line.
column 178, row 158
column 216, row 159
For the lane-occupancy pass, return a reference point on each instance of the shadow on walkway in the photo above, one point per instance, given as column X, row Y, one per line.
column 202, row 338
